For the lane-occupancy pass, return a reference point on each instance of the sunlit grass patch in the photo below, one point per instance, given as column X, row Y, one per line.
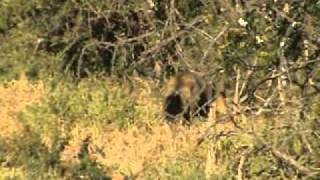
column 14, row 97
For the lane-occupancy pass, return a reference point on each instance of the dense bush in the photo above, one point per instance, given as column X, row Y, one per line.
column 48, row 125
column 87, row 101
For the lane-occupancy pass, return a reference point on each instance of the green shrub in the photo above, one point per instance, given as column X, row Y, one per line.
column 50, row 122
column 18, row 56
column 88, row 102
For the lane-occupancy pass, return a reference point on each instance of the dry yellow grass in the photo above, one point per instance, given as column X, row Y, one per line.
column 13, row 99
column 123, row 151
column 133, row 150
column 128, row 150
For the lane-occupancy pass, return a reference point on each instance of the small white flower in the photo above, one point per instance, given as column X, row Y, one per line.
column 40, row 40
column 286, row 8
column 294, row 24
column 282, row 43
column 242, row 22
column 151, row 4
column 259, row 40
column 311, row 82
